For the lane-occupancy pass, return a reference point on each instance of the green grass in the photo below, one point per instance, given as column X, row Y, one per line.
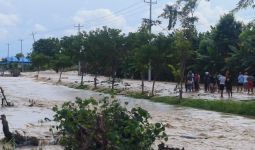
column 226, row 106
column 84, row 87
column 108, row 91
column 138, row 95
column 244, row 108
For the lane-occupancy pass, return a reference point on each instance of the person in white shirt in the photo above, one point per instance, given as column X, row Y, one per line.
column 222, row 80
column 240, row 80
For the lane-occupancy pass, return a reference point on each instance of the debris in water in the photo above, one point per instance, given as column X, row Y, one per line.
column 19, row 139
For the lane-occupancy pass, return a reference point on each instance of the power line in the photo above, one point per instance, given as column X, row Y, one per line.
column 105, row 22
column 111, row 21
column 116, row 12
column 151, row 3
column 127, row 10
column 33, row 34
column 97, row 18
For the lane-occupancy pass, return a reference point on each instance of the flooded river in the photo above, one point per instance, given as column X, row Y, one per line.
column 186, row 127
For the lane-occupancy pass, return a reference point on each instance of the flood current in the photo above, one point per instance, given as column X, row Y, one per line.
column 190, row 128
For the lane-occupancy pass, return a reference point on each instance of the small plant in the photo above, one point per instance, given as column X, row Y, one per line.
column 138, row 95
column 89, row 124
column 84, row 87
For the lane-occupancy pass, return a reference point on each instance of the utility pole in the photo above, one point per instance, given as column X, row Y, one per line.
column 79, row 26
column 21, row 42
column 8, row 54
column 33, row 34
column 21, row 48
column 150, row 25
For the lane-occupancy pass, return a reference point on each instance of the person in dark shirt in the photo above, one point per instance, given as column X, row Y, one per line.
column 207, row 81
column 228, row 84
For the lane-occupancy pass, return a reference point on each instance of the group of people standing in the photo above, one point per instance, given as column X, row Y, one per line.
column 219, row 82
column 192, row 82
column 245, row 83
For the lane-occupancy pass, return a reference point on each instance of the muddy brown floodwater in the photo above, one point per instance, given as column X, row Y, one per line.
column 186, row 127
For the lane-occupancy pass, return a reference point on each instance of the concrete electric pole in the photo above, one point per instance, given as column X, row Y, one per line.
column 150, row 25
column 21, row 46
column 33, row 34
column 79, row 26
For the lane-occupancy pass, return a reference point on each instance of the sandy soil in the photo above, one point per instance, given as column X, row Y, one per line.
column 186, row 127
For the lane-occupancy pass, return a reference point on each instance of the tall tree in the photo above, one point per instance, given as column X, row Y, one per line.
column 106, row 49
column 139, row 43
column 226, row 34
column 39, row 60
column 94, row 53
column 157, row 56
column 113, row 48
column 183, row 48
column 60, row 62
column 183, row 11
column 74, row 47
column 242, row 58
column 48, row 47
column 243, row 4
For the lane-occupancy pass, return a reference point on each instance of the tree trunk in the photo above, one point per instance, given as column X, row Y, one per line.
column 142, row 78
column 113, row 80
column 8, row 135
column 82, row 74
column 153, row 85
column 95, row 81
column 38, row 71
column 60, row 74
column 19, row 139
column 182, row 76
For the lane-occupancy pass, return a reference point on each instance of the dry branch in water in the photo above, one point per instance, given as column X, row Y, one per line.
column 19, row 139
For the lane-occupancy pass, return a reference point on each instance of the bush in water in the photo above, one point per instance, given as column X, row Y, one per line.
column 105, row 124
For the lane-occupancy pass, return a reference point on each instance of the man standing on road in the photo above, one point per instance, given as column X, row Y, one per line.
column 222, row 80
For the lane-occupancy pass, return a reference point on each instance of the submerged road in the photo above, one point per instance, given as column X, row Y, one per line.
column 186, row 127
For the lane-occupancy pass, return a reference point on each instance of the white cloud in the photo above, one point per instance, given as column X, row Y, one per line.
column 92, row 19
column 208, row 15
column 39, row 28
column 6, row 5
column 8, row 20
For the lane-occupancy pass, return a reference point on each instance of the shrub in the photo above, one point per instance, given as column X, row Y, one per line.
column 105, row 124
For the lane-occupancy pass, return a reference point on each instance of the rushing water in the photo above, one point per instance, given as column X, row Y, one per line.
column 186, row 127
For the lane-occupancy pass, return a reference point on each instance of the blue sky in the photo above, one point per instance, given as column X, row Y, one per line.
column 56, row 18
